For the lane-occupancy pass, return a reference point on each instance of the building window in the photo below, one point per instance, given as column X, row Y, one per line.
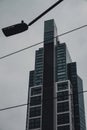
column 61, row 73
column 62, row 86
column 60, row 50
column 35, row 111
column 61, row 76
column 61, row 64
column 34, row 123
column 62, row 107
column 61, row 79
column 35, row 100
column 61, row 67
column 61, row 70
column 62, row 96
column 66, row 127
column 60, row 53
column 35, row 91
column 49, row 36
column 63, row 119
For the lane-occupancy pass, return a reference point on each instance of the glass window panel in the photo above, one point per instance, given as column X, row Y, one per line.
column 34, row 123
column 62, row 107
column 61, row 76
column 62, row 86
column 35, row 100
column 61, row 52
column 63, row 118
column 49, row 36
column 62, row 96
column 61, row 73
column 62, row 64
column 61, row 67
column 61, row 79
column 66, row 127
column 61, row 70
column 35, row 111
column 36, row 90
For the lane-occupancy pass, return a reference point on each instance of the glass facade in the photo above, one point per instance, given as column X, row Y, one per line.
column 34, row 123
column 62, row 86
column 36, row 90
column 63, row 119
column 70, row 114
column 61, row 62
column 31, row 79
column 34, row 108
column 61, row 96
column 35, row 100
column 38, row 77
column 64, row 105
column 78, row 99
column 64, row 127
column 35, row 111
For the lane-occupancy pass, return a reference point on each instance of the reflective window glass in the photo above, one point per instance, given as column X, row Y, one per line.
column 62, row 86
column 62, row 96
column 62, row 107
column 34, row 123
column 36, row 90
column 35, row 100
column 35, row 111
column 63, row 118
column 66, row 127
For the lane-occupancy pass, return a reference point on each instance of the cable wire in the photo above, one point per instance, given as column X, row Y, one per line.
column 26, row 104
column 72, row 30
column 5, row 56
column 21, row 50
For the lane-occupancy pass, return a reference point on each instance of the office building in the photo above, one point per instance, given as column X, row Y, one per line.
column 54, row 97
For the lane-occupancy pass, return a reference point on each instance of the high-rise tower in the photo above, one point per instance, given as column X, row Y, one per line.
column 54, row 98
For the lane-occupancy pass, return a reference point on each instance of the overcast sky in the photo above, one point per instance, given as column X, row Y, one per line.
column 14, row 70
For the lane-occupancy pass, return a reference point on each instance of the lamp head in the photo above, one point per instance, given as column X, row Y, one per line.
column 15, row 29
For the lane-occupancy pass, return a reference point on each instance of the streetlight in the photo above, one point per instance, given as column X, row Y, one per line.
column 21, row 27
column 15, row 29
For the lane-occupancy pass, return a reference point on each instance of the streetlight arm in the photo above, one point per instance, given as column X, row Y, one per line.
column 46, row 11
column 21, row 27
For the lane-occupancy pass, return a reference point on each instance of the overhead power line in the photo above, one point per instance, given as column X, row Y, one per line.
column 72, row 30
column 22, row 105
column 11, row 107
column 26, row 48
column 21, row 50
